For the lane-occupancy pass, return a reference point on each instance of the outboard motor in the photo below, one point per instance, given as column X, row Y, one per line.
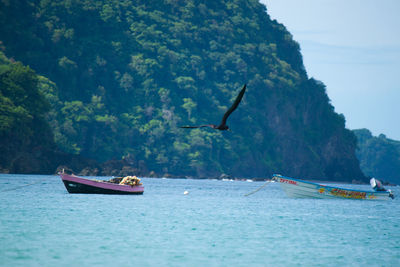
column 376, row 185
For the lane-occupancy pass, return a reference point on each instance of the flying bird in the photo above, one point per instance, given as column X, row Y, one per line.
column 222, row 126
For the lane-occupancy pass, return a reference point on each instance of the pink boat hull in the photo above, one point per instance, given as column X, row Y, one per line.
column 78, row 185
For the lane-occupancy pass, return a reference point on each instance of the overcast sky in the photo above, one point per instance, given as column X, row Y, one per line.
column 353, row 47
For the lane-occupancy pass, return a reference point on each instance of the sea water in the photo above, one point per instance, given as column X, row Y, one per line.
column 213, row 225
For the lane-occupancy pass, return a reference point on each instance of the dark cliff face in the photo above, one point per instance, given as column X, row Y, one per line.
column 129, row 73
column 304, row 136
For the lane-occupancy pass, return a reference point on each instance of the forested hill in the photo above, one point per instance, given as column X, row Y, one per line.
column 128, row 73
column 23, row 127
column 379, row 156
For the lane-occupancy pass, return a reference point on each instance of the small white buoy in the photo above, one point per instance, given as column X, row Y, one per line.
column 186, row 192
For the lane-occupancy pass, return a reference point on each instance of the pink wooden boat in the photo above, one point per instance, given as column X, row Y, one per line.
column 75, row 184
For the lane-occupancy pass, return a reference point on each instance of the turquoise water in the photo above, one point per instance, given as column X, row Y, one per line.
column 214, row 225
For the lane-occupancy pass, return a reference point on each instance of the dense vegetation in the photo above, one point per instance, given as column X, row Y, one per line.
column 27, row 142
column 23, row 128
column 379, row 156
column 129, row 72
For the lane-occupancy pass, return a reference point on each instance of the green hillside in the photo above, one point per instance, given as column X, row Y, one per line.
column 23, row 128
column 27, row 141
column 379, row 156
column 128, row 73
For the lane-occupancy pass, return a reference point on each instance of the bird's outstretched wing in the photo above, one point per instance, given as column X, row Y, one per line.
column 234, row 105
column 222, row 125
